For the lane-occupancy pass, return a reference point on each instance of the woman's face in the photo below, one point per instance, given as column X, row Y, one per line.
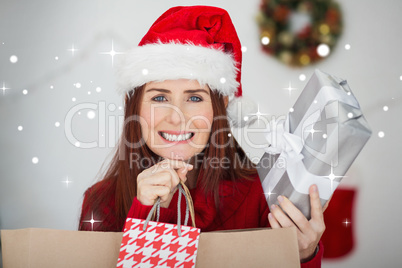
column 176, row 118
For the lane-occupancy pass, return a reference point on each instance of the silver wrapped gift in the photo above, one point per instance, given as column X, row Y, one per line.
column 316, row 143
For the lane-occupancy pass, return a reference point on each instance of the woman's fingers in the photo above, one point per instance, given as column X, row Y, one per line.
column 294, row 213
column 280, row 216
column 182, row 172
column 161, row 180
column 157, row 191
column 317, row 218
column 171, row 164
column 273, row 222
column 178, row 167
column 315, row 202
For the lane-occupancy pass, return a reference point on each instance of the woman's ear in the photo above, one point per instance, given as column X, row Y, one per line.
column 226, row 101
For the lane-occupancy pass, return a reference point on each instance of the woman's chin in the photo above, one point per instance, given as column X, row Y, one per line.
column 177, row 155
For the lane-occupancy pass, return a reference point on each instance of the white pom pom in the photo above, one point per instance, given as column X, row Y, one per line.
column 241, row 112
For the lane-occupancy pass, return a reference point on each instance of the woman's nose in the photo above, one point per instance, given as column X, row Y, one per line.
column 175, row 115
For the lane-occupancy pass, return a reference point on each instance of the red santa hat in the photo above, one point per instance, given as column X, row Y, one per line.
column 190, row 42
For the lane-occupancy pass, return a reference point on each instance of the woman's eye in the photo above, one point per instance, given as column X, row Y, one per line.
column 159, row 98
column 195, row 99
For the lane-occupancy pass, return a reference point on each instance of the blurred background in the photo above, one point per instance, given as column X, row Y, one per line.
column 56, row 71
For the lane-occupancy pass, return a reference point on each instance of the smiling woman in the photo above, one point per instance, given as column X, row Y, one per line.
column 182, row 88
column 158, row 110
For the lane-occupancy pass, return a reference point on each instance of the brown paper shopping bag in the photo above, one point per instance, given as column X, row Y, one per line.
column 249, row 248
column 59, row 248
column 45, row 248
column 62, row 249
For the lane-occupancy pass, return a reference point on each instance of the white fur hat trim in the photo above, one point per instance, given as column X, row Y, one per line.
column 159, row 62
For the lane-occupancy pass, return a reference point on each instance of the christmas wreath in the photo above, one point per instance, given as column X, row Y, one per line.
column 299, row 32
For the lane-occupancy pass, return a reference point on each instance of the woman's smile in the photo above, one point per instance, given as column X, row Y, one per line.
column 176, row 136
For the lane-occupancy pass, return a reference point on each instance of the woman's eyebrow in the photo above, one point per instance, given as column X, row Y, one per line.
column 186, row 91
column 196, row 91
column 159, row 89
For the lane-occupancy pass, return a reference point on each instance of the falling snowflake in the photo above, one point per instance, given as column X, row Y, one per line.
column 112, row 53
column 72, row 49
column 332, row 176
column 92, row 221
column 91, row 114
column 13, row 59
column 265, row 40
column 290, row 88
column 66, row 181
column 4, row 88
column 323, row 50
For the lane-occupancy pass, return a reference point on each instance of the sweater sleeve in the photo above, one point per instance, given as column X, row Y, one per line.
column 140, row 211
column 315, row 262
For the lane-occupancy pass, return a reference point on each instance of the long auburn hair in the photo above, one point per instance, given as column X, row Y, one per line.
column 120, row 179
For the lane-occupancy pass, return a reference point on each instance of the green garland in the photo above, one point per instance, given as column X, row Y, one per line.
column 303, row 47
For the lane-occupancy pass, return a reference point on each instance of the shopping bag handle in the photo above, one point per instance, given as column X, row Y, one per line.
column 183, row 190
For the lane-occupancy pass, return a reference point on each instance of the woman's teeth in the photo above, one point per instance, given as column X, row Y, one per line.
column 181, row 137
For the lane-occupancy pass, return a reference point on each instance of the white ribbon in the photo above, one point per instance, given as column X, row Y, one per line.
column 281, row 139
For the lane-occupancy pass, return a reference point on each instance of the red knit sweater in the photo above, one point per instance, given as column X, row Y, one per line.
column 242, row 205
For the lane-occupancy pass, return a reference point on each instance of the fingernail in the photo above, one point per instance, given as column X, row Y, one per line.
column 273, row 207
column 270, row 216
column 280, row 199
column 189, row 166
column 315, row 188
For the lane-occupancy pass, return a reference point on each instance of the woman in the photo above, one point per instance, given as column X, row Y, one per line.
column 182, row 83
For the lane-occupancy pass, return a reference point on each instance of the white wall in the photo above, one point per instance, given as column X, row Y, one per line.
column 34, row 195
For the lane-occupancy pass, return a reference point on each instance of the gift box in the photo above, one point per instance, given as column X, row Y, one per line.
column 315, row 143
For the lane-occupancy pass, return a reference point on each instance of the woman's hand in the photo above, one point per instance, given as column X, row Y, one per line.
column 161, row 180
column 309, row 231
